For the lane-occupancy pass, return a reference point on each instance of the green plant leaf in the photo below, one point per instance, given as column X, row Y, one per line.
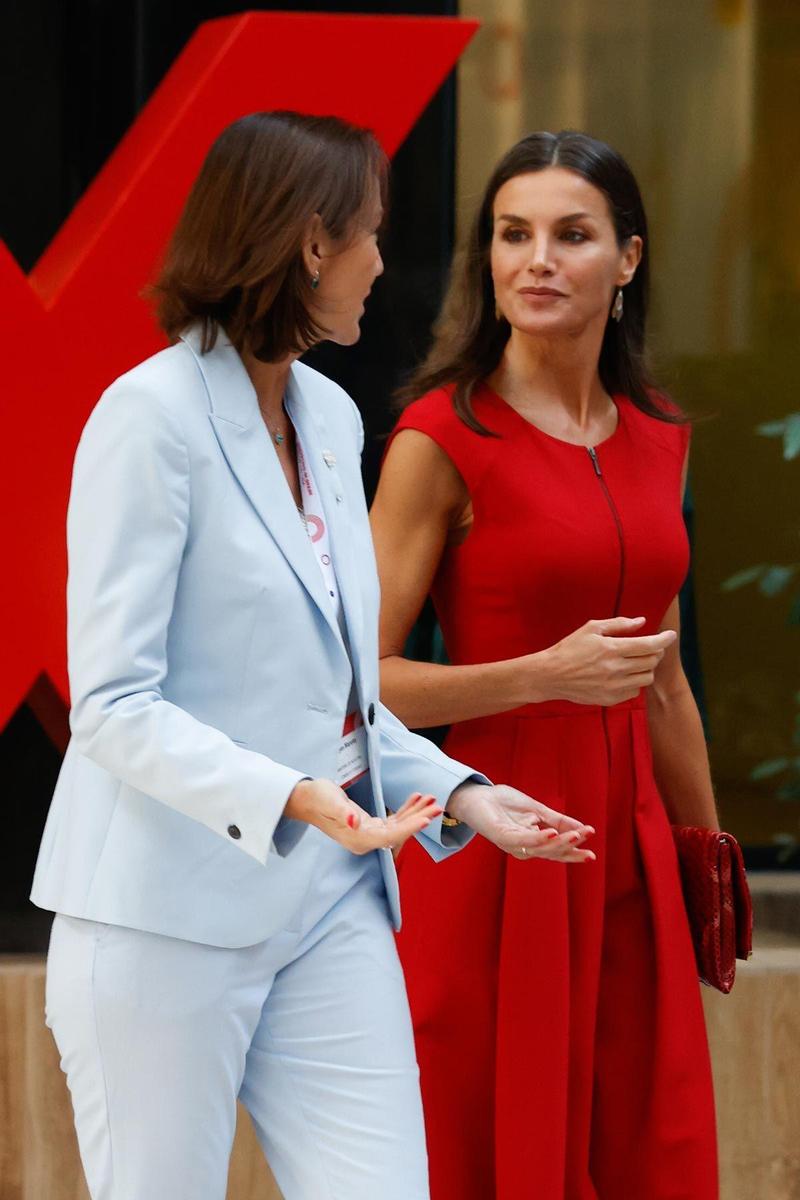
column 775, row 579
column 768, row 768
column 791, row 436
column 772, row 428
column 743, row 577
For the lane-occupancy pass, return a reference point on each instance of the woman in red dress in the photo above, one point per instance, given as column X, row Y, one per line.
column 535, row 489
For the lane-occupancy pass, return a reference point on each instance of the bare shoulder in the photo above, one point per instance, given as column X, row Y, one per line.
column 420, row 476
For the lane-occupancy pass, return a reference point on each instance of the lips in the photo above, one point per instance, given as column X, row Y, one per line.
column 540, row 292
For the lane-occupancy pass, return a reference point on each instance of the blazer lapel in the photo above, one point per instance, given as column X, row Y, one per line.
column 309, row 422
column 250, row 454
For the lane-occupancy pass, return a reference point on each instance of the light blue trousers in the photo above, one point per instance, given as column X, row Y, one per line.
column 310, row 1029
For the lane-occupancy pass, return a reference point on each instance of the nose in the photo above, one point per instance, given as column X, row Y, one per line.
column 540, row 263
column 378, row 264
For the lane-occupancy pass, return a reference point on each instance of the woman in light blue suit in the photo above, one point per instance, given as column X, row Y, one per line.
column 219, row 847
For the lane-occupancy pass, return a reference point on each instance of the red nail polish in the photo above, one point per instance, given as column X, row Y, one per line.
column 351, row 820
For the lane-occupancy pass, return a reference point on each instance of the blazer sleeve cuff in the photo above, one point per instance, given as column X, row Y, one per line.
column 441, row 841
column 257, row 824
column 411, row 763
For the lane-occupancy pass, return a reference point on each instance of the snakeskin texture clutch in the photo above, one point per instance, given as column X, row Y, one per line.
column 717, row 902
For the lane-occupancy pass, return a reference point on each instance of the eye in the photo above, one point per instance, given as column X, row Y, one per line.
column 514, row 234
column 576, row 236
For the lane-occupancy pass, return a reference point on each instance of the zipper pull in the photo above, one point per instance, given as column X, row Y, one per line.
column 595, row 463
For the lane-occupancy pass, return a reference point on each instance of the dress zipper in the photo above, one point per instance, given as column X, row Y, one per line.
column 615, row 514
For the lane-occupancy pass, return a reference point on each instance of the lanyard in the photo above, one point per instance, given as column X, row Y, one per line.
column 352, row 761
column 315, row 524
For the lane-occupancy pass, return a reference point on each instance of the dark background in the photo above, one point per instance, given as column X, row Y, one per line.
column 74, row 74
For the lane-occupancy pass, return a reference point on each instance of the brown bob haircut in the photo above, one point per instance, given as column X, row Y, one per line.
column 236, row 257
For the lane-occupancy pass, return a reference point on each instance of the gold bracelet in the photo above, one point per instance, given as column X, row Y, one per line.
column 449, row 821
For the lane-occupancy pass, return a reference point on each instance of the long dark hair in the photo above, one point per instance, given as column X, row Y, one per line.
column 469, row 338
column 235, row 259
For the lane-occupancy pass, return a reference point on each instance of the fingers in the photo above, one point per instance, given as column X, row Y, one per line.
column 395, row 836
column 560, row 821
column 415, row 802
column 620, row 625
column 641, row 662
column 414, row 816
column 569, row 855
column 347, row 823
column 564, row 824
column 563, row 837
column 636, row 647
column 561, row 847
column 641, row 680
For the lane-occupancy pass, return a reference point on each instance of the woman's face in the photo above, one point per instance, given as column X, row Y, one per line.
column 555, row 259
column 346, row 275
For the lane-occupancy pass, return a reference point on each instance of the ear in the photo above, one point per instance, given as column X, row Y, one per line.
column 631, row 257
column 315, row 244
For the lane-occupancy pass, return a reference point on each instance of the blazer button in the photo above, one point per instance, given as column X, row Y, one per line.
column 371, row 714
column 235, row 832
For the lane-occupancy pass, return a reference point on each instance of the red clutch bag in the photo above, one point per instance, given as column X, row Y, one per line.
column 717, row 902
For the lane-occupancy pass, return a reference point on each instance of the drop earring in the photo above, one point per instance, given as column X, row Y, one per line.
column 315, row 281
column 618, row 306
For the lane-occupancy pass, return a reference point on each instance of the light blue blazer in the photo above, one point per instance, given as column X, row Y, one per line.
column 207, row 668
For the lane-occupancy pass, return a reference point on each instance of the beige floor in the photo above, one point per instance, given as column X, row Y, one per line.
column 755, row 1039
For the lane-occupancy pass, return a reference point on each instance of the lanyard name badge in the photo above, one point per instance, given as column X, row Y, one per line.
column 351, row 755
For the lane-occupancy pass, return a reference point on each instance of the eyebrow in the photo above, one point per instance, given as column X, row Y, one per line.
column 512, row 219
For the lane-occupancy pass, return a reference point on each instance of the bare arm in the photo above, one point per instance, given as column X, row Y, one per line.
column 421, row 503
column 680, row 756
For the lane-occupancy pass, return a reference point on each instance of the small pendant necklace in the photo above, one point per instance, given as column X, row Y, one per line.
column 278, row 435
column 279, row 438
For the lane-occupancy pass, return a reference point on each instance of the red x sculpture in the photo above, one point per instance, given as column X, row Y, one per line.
column 78, row 320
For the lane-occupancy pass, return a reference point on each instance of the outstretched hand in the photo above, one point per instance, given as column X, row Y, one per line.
column 520, row 825
column 322, row 803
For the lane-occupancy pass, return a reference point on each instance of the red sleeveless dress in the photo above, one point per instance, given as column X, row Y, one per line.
column 558, row 1018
